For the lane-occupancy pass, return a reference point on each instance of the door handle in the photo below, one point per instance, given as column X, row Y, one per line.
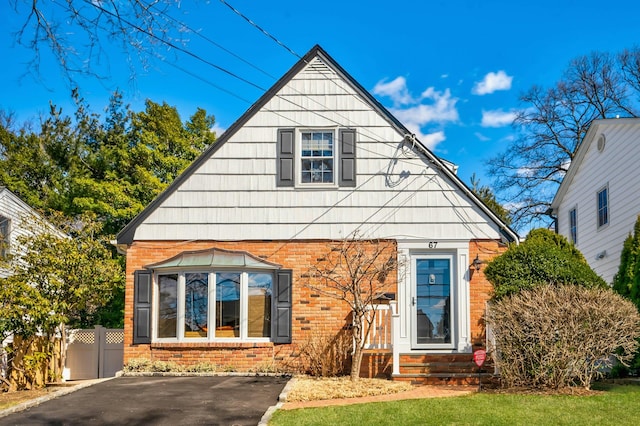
column 413, row 301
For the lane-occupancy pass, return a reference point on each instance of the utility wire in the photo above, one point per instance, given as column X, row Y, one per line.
column 170, row 44
column 259, row 28
column 182, row 24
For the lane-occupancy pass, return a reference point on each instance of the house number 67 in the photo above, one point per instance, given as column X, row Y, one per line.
column 433, row 244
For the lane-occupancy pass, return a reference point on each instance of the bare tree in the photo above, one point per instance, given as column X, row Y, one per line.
column 552, row 124
column 357, row 272
column 77, row 31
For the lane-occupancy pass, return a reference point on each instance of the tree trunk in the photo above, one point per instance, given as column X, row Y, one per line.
column 358, row 342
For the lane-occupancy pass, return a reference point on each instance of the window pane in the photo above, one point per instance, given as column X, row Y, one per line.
column 228, row 304
column 433, row 301
column 603, row 207
column 317, row 157
column 4, row 237
column 259, row 315
column 196, row 305
column 168, row 305
column 573, row 226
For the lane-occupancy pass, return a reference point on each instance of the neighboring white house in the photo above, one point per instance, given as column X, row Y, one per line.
column 17, row 219
column 597, row 203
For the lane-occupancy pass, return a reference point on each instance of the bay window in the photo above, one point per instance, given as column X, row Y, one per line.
column 212, row 295
column 238, row 303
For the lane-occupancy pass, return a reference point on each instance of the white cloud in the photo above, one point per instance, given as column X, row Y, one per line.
column 482, row 137
column 415, row 112
column 441, row 109
column 492, row 82
column 396, row 90
column 497, row 118
column 218, row 130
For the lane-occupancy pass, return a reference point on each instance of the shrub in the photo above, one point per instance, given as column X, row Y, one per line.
column 146, row 365
column 561, row 336
column 324, row 355
column 543, row 258
column 627, row 283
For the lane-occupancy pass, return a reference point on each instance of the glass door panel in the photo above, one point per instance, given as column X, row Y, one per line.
column 432, row 301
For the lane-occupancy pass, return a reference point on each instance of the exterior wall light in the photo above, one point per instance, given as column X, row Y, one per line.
column 477, row 263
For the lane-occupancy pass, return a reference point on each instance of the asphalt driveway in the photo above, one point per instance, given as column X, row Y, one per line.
column 220, row 400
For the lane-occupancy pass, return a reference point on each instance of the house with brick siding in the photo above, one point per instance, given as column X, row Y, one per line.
column 216, row 264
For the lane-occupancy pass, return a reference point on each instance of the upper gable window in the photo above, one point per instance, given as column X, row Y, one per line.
column 603, row 207
column 4, row 236
column 317, row 156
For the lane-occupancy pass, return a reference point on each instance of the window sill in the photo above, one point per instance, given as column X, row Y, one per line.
column 316, row 187
column 182, row 345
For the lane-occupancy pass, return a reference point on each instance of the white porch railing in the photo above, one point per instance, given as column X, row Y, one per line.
column 379, row 336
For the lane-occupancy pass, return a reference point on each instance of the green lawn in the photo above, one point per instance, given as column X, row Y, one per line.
column 618, row 405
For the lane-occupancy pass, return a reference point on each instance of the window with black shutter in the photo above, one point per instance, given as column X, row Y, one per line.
column 315, row 158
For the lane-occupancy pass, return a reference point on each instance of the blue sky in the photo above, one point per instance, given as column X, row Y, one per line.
column 450, row 70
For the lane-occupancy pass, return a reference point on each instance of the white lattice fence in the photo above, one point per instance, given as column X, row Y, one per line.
column 94, row 353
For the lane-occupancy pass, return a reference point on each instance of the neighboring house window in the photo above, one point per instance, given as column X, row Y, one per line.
column 5, row 224
column 603, row 206
column 316, row 157
column 573, row 225
column 215, row 304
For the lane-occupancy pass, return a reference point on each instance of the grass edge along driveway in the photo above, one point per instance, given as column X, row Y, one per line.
column 615, row 405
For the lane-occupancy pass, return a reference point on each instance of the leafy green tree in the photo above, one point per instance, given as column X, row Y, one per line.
column 486, row 194
column 112, row 167
column 543, row 258
column 59, row 281
column 627, row 281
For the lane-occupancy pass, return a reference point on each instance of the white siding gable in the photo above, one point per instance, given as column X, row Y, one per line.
column 399, row 193
column 21, row 219
column 616, row 166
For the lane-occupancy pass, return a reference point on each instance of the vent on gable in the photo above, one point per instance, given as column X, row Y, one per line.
column 601, row 142
column 318, row 66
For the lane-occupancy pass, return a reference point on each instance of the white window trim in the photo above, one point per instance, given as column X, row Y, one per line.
column 453, row 303
column 211, row 311
column 402, row 323
column 298, row 158
column 604, row 225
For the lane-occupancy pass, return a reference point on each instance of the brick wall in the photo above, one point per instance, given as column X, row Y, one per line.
column 480, row 287
column 314, row 313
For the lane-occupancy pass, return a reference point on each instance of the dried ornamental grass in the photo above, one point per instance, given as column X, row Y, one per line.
column 310, row 389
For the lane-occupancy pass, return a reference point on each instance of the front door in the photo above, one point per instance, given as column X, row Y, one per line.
column 432, row 302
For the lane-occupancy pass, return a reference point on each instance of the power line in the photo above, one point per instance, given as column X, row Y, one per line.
column 170, row 44
column 259, row 28
column 213, row 42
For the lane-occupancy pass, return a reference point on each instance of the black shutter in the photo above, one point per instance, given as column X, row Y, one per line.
column 141, row 307
column 347, row 158
column 281, row 318
column 286, row 159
